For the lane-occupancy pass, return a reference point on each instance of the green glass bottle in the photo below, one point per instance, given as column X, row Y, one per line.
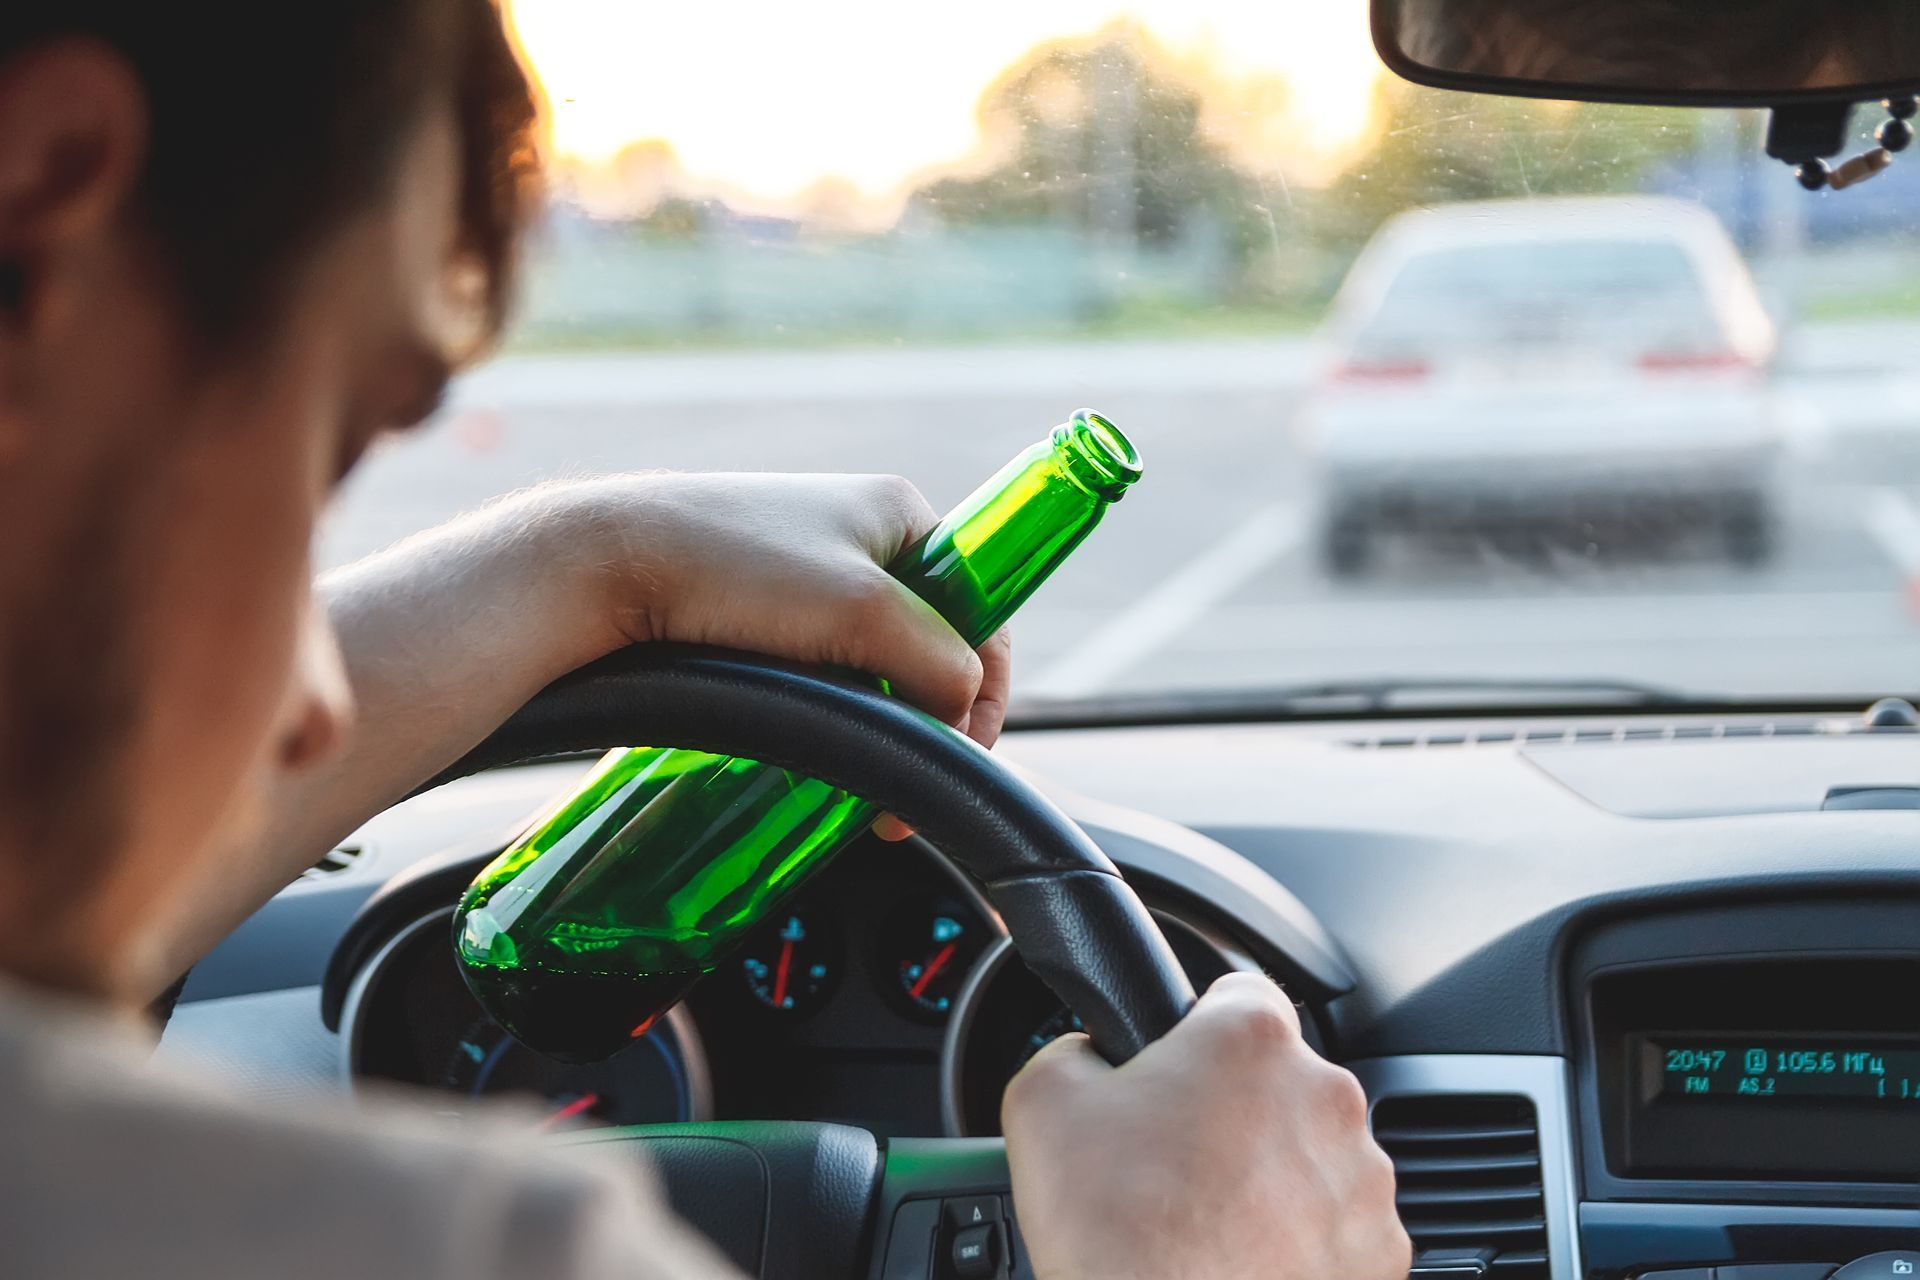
column 599, row 918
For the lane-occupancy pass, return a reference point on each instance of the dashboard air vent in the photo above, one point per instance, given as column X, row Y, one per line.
column 1469, row 1177
column 344, row 858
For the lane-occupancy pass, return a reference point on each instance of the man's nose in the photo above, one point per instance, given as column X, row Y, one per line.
column 323, row 716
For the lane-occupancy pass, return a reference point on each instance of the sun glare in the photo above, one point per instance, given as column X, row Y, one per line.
column 770, row 99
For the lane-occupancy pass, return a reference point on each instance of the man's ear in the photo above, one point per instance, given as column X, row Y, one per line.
column 73, row 141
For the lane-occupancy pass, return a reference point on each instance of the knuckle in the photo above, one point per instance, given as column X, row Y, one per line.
column 969, row 671
column 1394, row 1250
column 867, row 622
column 1377, row 1179
column 899, row 495
column 1344, row 1099
column 1260, row 1027
column 1033, row 1090
column 873, row 602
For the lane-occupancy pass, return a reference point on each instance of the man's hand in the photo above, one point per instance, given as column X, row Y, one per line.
column 1228, row 1150
column 447, row 634
column 791, row 565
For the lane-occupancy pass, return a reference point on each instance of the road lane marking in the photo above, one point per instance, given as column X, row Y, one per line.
column 1893, row 522
column 1178, row 602
column 1080, row 370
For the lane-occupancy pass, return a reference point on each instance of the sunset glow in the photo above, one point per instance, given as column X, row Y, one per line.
column 770, row 98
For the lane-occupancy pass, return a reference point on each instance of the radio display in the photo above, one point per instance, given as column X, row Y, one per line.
column 1754, row 1069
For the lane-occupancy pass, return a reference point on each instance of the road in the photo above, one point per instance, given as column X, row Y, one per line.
column 1203, row 577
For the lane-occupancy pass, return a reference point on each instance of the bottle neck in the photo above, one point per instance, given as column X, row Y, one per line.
column 992, row 551
column 1094, row 454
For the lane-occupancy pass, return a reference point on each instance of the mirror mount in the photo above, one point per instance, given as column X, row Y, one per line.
column 1805, row 134
column 1806, row 131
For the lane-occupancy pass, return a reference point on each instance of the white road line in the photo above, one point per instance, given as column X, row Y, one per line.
column 1891, row 519
column 1175, row 604
column 859, row 375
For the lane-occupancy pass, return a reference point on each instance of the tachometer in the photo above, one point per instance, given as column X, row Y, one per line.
column 1005, row 1015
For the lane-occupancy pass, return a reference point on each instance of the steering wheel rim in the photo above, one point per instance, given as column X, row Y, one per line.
column 1076, row 922
column 796, row 1200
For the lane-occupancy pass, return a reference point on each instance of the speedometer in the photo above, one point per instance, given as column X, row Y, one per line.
column 408, row 1017
column 645, row 1083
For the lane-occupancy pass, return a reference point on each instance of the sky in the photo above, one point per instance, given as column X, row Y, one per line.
column 769, row 96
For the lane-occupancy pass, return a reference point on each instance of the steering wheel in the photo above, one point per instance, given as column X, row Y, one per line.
column 806, row 1201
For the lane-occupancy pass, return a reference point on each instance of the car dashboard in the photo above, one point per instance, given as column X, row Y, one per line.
column 1630, row 995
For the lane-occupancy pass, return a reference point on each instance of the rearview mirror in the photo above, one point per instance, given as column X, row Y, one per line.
column 1673, row 52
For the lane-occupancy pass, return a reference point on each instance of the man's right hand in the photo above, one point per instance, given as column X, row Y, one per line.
column 1227, row 1150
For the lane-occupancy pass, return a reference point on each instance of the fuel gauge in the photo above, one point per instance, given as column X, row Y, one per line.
column 929, row 945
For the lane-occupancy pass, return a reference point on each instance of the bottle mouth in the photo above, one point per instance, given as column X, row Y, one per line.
column 1098, row 455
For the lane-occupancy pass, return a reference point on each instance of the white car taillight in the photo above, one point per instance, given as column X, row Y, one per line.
column 1379, row 371
column 1696, row 362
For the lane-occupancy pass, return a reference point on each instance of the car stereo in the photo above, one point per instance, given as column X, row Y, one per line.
column 1801, row 1069
column 1760, row 1066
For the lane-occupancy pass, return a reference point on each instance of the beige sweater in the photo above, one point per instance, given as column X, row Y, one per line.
column 113, row 1166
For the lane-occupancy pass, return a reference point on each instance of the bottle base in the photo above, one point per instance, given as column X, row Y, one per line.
column 577, row 1017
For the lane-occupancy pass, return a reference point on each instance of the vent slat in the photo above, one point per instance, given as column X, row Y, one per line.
column 1429, row 1234
column 1531, row 1258
column 1469, row 1176
column 1465, row 1163
column 1424, row 1196
column 1455, row 1133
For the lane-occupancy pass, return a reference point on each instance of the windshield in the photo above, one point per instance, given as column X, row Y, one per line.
column 1429, row 387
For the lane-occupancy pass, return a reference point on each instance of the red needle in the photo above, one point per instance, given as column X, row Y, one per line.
column 780, row 975
column 934, row 966
column 585, row 1102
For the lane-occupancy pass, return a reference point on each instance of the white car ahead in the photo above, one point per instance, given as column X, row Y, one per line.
column 1506, row 366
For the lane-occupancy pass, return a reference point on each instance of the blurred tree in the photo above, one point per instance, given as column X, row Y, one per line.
column 637, row 178
column 677, row 217
column 1098, row 134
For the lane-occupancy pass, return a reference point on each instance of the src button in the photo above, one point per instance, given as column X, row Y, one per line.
column 976, row 1255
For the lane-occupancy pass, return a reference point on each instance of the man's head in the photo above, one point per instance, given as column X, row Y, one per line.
column 236, row 243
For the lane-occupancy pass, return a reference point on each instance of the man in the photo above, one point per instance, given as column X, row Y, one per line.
column 237, row 242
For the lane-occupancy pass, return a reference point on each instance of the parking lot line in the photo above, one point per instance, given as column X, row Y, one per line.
column 1895, row 525
column 1179, row 601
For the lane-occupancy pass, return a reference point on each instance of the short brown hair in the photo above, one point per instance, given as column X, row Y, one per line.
column 273, row 122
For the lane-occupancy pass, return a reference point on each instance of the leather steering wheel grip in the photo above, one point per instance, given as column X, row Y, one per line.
column 1076, row 923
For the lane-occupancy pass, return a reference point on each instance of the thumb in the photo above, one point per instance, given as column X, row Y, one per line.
column 1056, row 1074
